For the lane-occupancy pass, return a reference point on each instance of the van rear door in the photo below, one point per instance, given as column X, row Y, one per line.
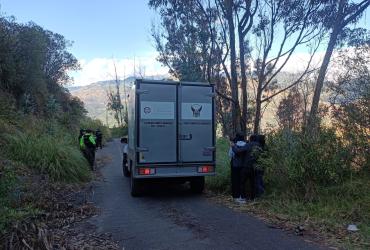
column 196, row 125
column 157, row 122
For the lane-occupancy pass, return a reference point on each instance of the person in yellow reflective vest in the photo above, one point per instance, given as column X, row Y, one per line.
column 88, row 146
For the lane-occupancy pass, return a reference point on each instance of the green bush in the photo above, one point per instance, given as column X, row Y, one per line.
column 298, row 163
column 54, row 156
column 221, row 182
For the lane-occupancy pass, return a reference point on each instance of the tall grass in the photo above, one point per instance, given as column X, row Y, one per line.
column 50, row 155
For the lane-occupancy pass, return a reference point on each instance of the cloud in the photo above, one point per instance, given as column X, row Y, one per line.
column 100, row 69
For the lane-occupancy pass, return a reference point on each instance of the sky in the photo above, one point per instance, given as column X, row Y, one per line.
column 101, row 31
column 107, row 31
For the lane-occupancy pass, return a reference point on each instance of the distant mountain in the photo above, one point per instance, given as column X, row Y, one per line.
column 95, row 98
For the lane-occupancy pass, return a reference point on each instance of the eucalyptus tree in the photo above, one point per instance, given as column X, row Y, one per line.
column 282, row 27
column 337, row 17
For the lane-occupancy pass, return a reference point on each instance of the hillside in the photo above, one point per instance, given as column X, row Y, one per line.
column 94, row 96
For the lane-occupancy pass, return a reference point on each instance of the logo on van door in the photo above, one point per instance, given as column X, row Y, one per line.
column 147, row 110
column 196, row 108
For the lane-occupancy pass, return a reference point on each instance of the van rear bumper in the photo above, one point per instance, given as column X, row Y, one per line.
column 173, row 171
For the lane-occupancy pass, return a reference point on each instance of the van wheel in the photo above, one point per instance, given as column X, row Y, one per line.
column 126, row 173
column 135, row 187
column 197, row 184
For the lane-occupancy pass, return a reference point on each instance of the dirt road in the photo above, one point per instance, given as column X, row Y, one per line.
column 170, row 217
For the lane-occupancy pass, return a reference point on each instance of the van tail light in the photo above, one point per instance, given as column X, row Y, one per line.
column 146, row 171
column 206, row 169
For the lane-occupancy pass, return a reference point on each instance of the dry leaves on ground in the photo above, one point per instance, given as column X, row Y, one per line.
column 60, row 218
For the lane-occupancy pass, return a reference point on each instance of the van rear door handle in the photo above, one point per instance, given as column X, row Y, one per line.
column 142, row 91
column 142, row 149
column 187, row 137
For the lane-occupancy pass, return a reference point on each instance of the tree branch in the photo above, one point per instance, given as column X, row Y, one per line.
column 224, row 96
column 357, row 13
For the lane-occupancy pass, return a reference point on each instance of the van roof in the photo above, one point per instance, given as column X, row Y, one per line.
column 171, row 82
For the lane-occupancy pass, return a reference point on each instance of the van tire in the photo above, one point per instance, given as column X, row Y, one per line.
column 135, row 187
column 197, row 185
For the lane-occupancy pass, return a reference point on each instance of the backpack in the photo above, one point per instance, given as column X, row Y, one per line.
column 87, row 141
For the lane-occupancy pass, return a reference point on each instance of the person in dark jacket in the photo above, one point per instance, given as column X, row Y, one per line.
column 82, row 132
column 99, row 138
column 88, row 146
column 242, row 168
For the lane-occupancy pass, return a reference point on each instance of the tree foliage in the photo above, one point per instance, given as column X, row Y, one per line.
column 290, row 111
column 350, row 103
column 337, row 16
column 212, row 40
column 34, row 65
column 115, row 104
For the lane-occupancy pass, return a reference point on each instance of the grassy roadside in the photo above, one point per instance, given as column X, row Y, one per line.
column 325, row 218
column 41, row 168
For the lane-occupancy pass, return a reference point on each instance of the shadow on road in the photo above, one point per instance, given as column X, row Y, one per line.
column 163, row 190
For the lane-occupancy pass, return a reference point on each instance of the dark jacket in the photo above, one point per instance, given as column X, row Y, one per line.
column 243, row 155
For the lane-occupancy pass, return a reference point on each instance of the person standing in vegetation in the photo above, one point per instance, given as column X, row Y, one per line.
column 242, row 168
column 99, row 138
column 238, row 151
column 82, row 132
column 88, row 146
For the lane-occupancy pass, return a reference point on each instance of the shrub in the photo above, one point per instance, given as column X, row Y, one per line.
column 50, row 155
column 299, row 164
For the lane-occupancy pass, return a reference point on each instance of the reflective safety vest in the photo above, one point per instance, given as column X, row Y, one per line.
column 87, row 140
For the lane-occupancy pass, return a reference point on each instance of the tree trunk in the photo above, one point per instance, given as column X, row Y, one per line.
column 234, row 81
column 312, row 119
column 257, row 118
column 243, row 85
